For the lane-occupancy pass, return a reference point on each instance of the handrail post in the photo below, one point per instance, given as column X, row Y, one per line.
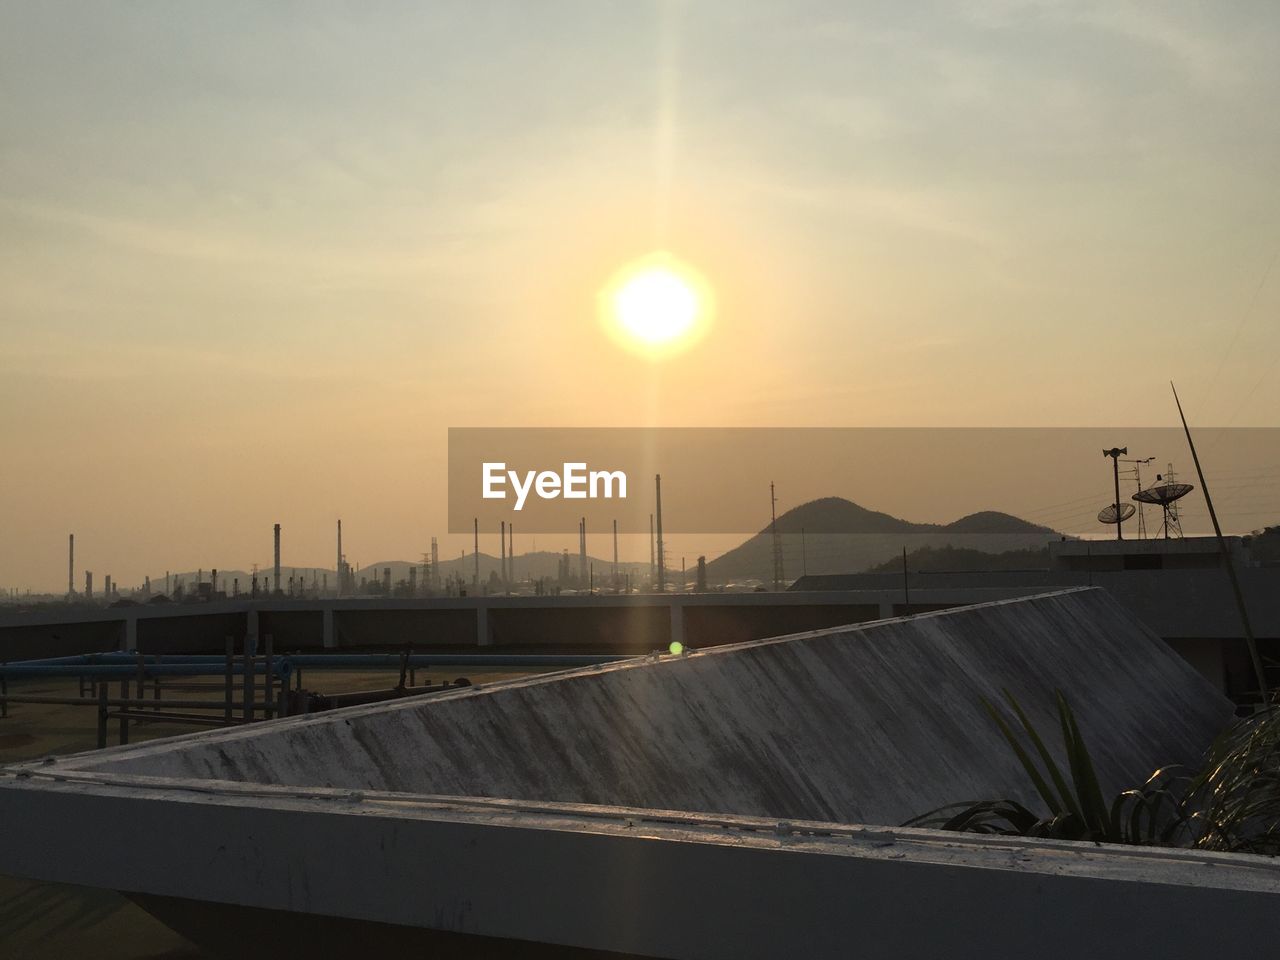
column 247, row 685
column 124, row 714
column 102, row 715
column 268, row 695
column 230, row 688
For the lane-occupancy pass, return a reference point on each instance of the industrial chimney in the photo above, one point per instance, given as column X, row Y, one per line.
column 339, row 592
column 276, row 584
column 662, row 550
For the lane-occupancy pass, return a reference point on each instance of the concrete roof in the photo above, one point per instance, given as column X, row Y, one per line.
column 872, row 723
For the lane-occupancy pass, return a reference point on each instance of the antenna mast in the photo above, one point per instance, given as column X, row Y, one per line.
column 778, row 575
column 1114, row 454
column 1137, row 476
column 1226, row 557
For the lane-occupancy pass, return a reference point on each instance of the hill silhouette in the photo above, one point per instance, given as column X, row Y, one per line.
column 835, row 535
column 838, row 515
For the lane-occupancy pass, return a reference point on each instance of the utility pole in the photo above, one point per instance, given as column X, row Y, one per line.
column 778, row 575
column 1114, row 454
column 662, row 561
column 653, row 570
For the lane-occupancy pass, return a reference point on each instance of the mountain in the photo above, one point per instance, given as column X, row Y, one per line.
column 838, row 515
column 993, row 521
column 834, row 535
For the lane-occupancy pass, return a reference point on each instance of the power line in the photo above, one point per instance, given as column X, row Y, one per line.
column 1244, row 317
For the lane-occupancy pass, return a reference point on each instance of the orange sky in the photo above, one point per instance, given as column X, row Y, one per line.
column 253, row 266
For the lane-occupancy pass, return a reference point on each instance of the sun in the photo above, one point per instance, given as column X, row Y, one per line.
column 656, row 306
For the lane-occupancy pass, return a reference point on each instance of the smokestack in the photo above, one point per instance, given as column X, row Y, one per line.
column 511, row 551
column 502, row 550
column 662, row 560
column 277, row 566
column 339, row 567
column 582, row 550
column 475, row 551
column 435, row 563
column 71, row 565
column 615, row 554
column 653, row 570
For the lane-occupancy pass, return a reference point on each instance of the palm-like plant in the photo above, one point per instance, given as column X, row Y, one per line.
column 1077, row 807
column 1235, row 799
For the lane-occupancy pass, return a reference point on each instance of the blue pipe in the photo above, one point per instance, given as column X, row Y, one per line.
column 327, row 660
column 451, row 660
column 280, row 667
column 118, row 656
column 52, row 661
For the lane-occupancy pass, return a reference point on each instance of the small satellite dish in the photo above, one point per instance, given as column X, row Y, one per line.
column 1108, row 513
column 1164, row 493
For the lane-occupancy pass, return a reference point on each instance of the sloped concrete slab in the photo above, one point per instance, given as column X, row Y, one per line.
column 873, row 723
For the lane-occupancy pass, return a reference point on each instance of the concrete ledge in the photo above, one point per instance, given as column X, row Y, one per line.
column 633, row 882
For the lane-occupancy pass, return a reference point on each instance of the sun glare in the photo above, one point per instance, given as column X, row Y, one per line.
column 656, row 306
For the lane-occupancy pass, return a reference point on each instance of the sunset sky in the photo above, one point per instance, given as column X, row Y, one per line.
column 255, row 259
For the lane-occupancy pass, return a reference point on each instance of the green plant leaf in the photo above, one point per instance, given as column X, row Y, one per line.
column 1068, row 803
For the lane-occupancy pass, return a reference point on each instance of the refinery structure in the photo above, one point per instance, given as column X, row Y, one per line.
column 635, row 759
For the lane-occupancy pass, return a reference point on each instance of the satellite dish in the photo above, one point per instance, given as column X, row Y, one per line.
column 1108, row 513
column 1164, row 493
